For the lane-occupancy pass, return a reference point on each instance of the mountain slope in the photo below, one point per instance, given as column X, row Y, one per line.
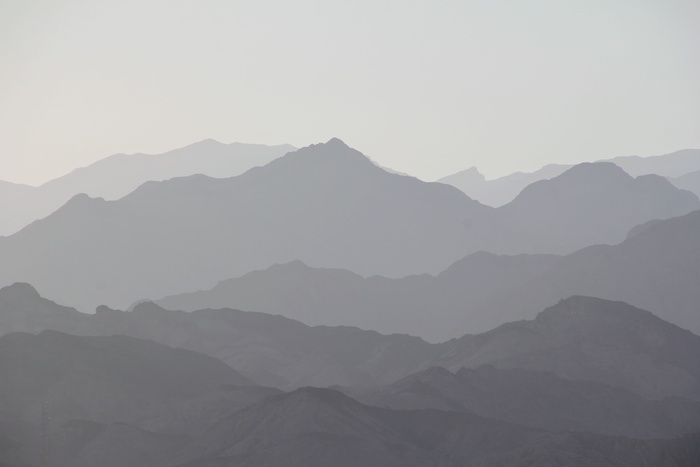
column 320, row 427
column 272, row 350
column 673, row 164
column 689, row 181
column 538, row 399
column 326, row 204
column 591, row 203
column 584, row 338
column 500, row 191
column 110, row 379
column 407, row 305
column 656, row 268
column 580, row 338
column 503, row 190
column 118, row 175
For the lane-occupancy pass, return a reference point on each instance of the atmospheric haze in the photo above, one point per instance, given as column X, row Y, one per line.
column 426, row 88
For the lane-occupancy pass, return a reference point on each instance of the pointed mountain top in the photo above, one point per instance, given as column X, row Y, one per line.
column 336, row 142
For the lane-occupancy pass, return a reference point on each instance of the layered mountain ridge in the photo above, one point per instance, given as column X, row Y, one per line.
column 327, row 205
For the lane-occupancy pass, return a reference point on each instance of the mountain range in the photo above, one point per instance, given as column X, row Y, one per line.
column 326, row 205
column 118, row 400
column 656, row 268
column 389, row 321
column 580, row 338
column 499, row 191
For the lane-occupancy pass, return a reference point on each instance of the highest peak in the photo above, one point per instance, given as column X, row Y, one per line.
column 334, row 153
column 336, row 142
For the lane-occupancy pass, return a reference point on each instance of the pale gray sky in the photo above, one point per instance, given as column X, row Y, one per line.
column 424, row 87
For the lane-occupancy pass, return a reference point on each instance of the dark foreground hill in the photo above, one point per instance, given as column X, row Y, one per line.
column 118, row 400
column 580, row 338
column 111, row 379
column 320, row 427
column 538, row 399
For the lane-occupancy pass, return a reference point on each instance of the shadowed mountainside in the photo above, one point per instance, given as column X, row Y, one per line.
column 320, row 427
column 106, row 380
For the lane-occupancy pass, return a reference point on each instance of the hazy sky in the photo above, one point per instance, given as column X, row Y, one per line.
column 424, row 87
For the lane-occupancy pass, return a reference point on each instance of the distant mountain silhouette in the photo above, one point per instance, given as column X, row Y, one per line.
column 117, row 175
column 538, row 399
column 674, row 164
column 591, row 203
column 500, row 191
column 326, row 204
column 656, row 268
column 689, row 181
column 433, row 307
column 503, row 190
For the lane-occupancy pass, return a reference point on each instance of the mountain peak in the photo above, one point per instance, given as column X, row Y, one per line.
column 579, row 308
column 147, row 306
column 19, row 290
column 336, row 142
column 595, row 169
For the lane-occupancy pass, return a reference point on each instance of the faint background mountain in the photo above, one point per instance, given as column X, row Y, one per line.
column 674, row 164
column 117, row 175
column 689, row 181
column 499, row 191
column 503, row 190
